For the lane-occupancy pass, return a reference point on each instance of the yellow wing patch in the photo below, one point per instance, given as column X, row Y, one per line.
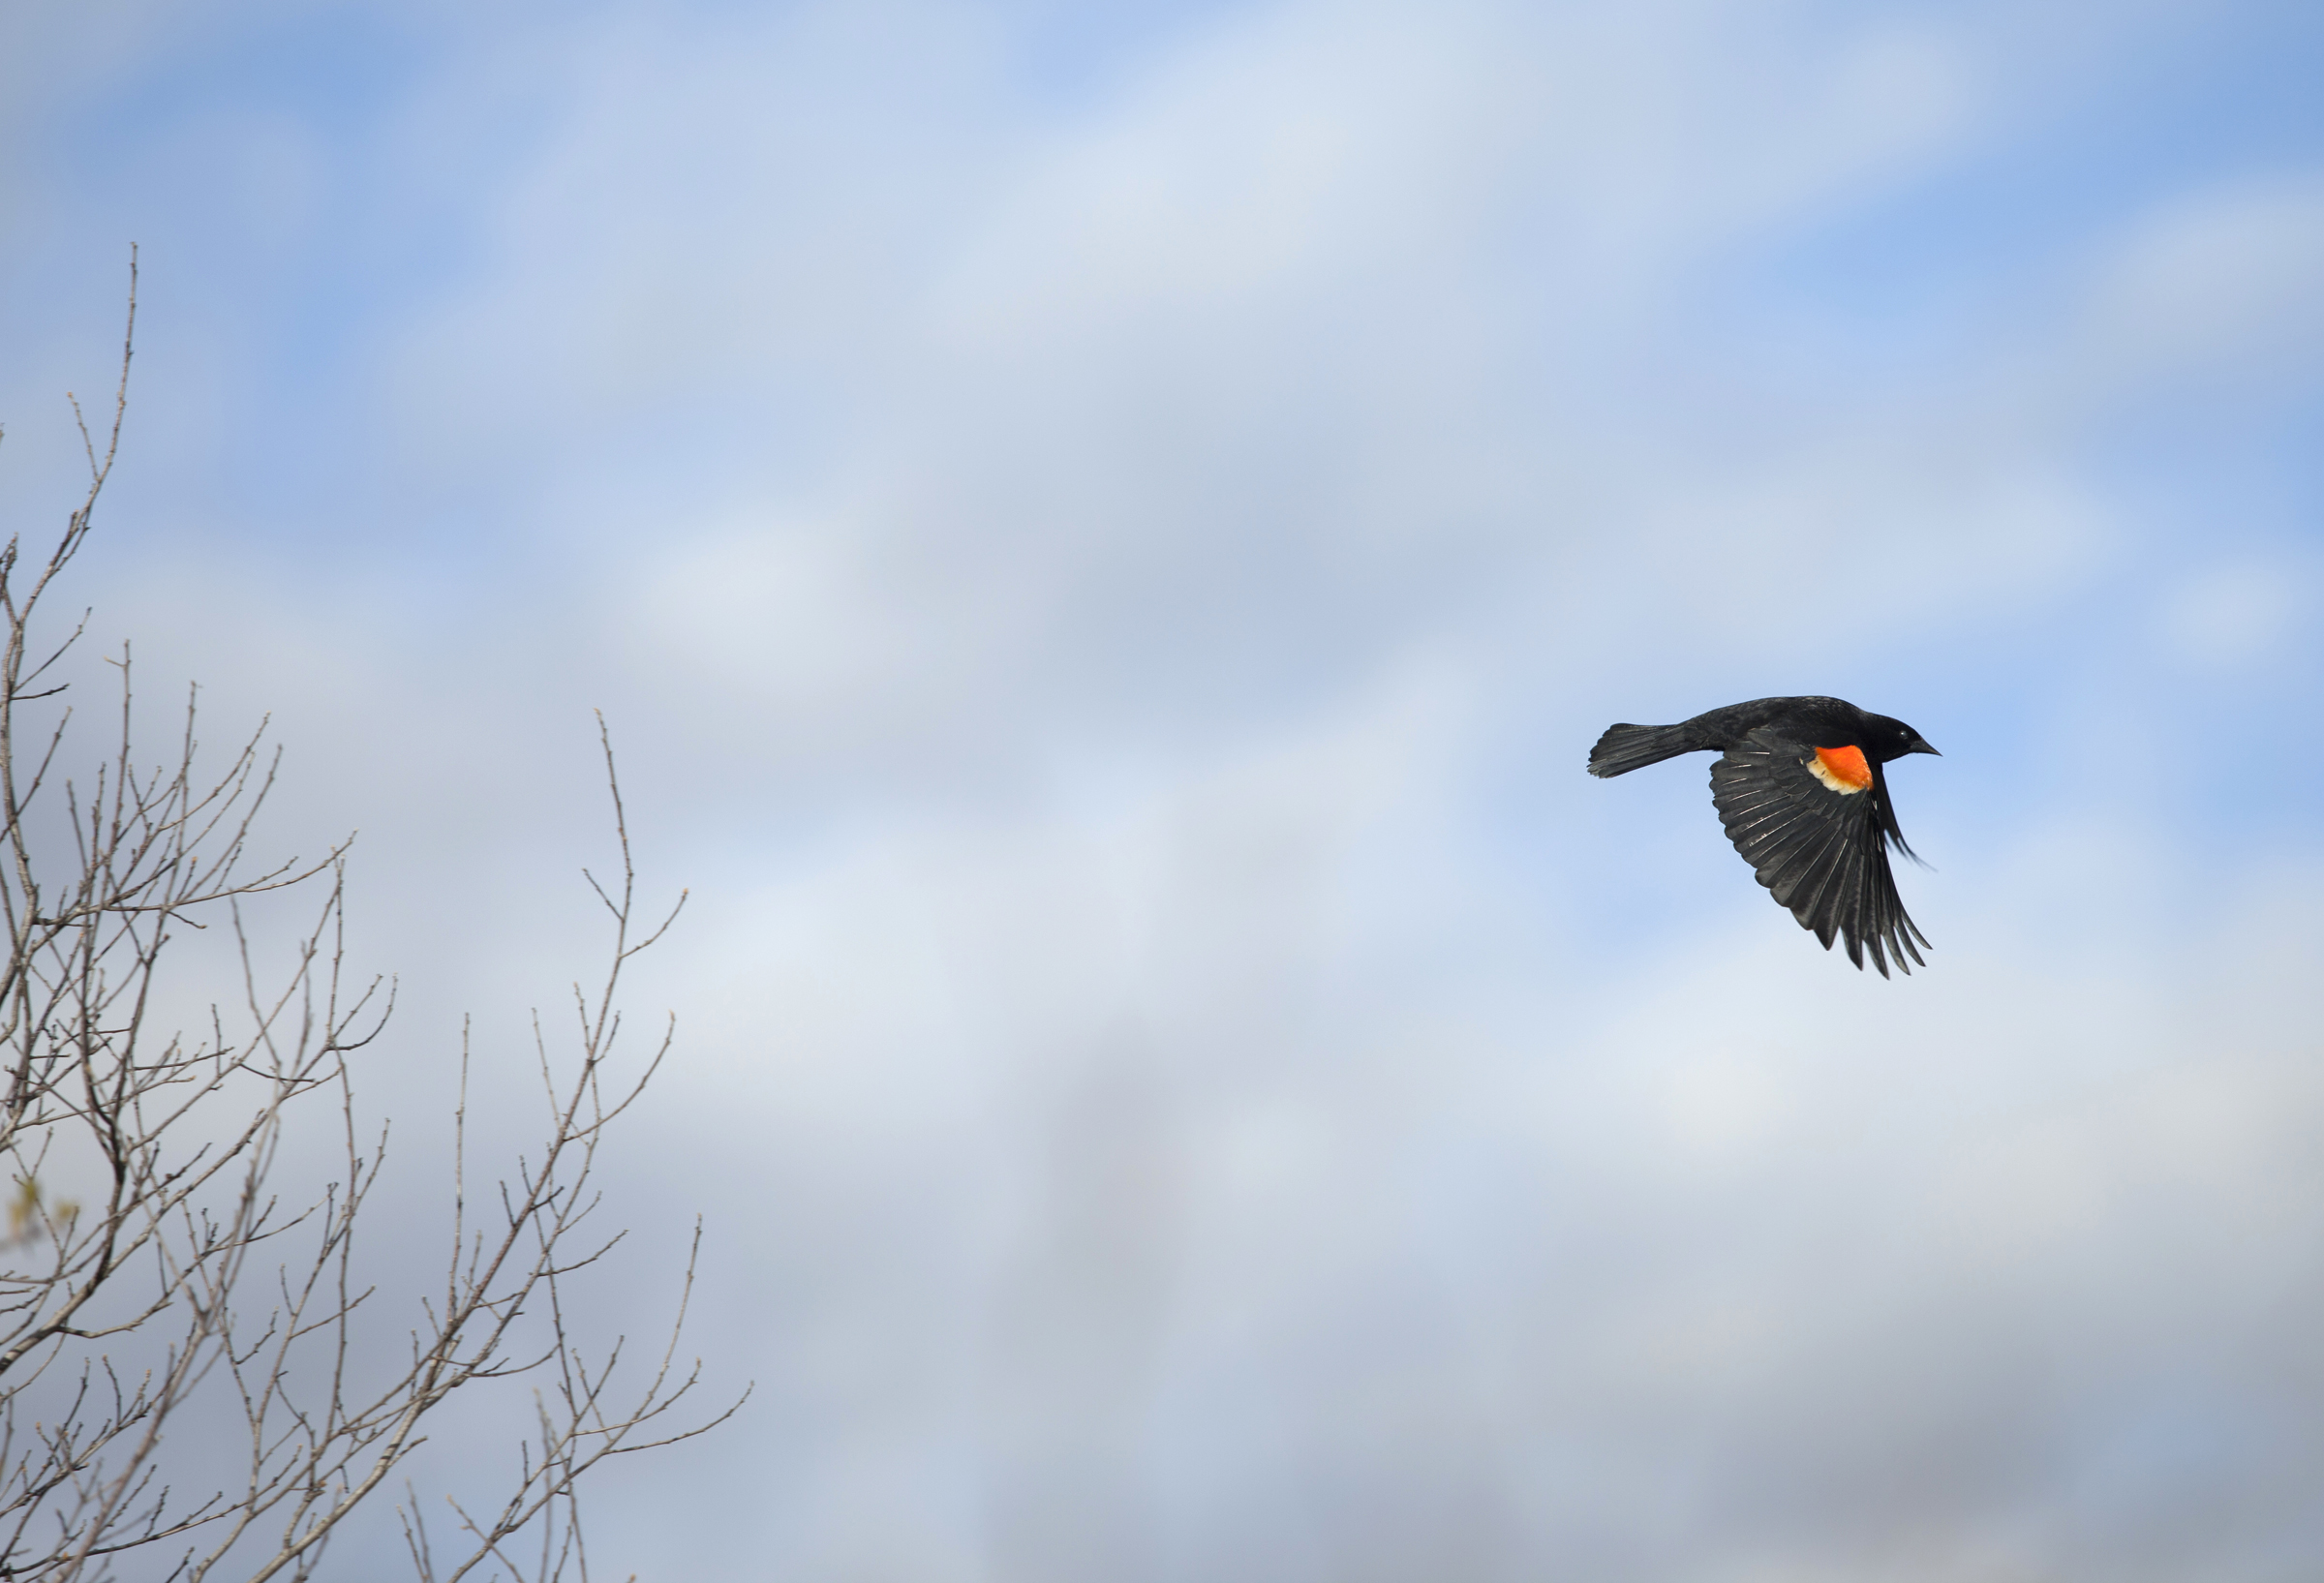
column 1842, row 769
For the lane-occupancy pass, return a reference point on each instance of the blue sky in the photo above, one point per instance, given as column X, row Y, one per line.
column 1104, row 539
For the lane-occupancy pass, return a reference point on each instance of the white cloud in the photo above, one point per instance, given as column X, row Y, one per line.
column 2226, row 274
column 789, row 614
column 2232, row 616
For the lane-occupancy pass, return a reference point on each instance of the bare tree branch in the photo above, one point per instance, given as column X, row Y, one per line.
column 180, row 1290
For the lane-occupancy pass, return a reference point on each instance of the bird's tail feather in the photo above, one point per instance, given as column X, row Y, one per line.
column 1627, row 747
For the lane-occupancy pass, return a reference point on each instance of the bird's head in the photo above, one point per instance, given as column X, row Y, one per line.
column 1898, row 738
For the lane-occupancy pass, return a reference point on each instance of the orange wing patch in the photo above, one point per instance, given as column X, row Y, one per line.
column 1842, row 769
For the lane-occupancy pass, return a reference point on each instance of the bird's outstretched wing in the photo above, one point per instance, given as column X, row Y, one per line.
column 1813, row 829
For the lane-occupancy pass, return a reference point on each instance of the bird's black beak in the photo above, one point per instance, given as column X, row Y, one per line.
column 1921, row 747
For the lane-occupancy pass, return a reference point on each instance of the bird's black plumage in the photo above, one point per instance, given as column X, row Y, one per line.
column 1800, row 786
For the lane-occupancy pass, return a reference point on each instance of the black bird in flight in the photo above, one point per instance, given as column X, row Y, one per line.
column 1799, row 786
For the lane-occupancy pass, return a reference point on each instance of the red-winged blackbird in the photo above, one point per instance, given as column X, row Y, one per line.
column 1791, row 786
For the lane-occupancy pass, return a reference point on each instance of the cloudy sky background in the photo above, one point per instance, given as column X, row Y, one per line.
column 1104, row 535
